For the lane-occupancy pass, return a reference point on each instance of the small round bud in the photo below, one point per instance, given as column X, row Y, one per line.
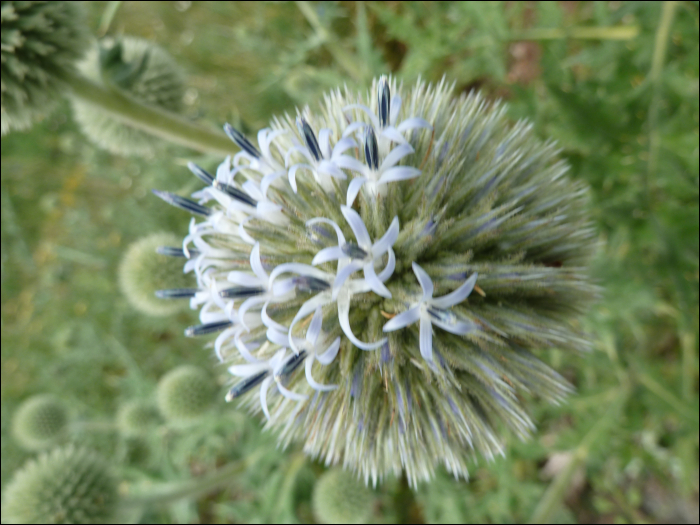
column 136, row 451
column 66, row 485
column 136, row 418
column 143, row 272
column 339, row 497
column 185, row 393
column 39, row 422
column 40, row 40
column 142, row 70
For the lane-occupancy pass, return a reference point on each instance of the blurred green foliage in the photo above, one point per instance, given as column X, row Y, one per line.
column 616, row 83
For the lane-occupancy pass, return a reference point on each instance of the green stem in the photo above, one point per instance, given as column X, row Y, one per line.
column 192, row 488
column 158, row 122
column 580, row 33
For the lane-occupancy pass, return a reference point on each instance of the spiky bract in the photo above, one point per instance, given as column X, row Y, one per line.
column 413, row 251
column 40, row 40
column 145, row 72
column 339, row 497
column 185, row 393
column 39, row 422
column 66, row 485
column 143, row 272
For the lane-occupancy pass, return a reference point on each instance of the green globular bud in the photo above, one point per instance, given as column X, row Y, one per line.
column 66, row 485
column 143, row 272
column 143, row 71
column 185, row 393
column 40, row 41
column 339, row 497
column 136, row 418
column 39, row 422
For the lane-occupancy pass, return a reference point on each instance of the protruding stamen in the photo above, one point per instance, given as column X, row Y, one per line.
column 383, row 101
column 353, row 251
column 371, row 149
column 202, row 174
column 240, row 292
column 246, row 385
column 183, row 203
column 171, row 251
column 234, row 192
column 176, row 293
column 306, row 283
column 309, row 138
column 291, row 364
column 317, row 233
column 208, row 328
column 239, row 139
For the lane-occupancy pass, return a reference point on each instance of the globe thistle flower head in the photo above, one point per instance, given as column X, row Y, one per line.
column 339, row 497
column 39, row 422
column 66, row 485
column 40, row 41
column 413, row 252
column 185, row 393
column 136, row 417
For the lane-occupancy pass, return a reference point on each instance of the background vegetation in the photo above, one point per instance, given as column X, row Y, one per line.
column 616, row 83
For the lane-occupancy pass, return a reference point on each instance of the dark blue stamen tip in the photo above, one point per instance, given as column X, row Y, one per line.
column 240, row 292
column 371, row 149
column 239, row 139
column 183, row 203
column 383, row 101
column 234, row 192
column 291, row 364
column 202, row 174
column 246, row 385
column 306, row 283
column 176, row 293
column 309, row 138
column 171, row 251
column 353, row 251
column 208, row 328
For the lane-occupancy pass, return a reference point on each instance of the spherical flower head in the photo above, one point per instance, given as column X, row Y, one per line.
column 381, row 270
column 143, row 71
column 67, row 485
column 136, row 417
column 339, row 497
column 145, row 271
column 185, row 393
column 39, row 422
column 40, row 41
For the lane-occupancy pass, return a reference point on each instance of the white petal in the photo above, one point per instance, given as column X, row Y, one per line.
column 395, row 108
column 354, row 189
column 358, row 227
column 343, row 145
column 309, row 306
column 244, row 234
column 459, row 295
column 265, row 139
column 269, row 322
column 263, row 395
column 426, row 339
column 374, row 282
column 222, row 338
column 243, row 349
column 349, row 163
column 301, row 149
column 315, row 326
column 269, row 179
column 366, row 110
column 387, row 240
column 224, row 170
column 252, row 189
column 312, row 383
column 282, row 288
column 293, row 174
column 388, row 270
column 300, row 269
column 344, row 319
column 425, row 282
column 393, row 134
column 403, row 319
column 326, row 167
column 256, row 264
column 289, row 394
column 338, row 232
column 247, row 305
column 414, row 122
column 396, row 155
column 277, row 337
column 456, row 327
column 327, row 357
column 343, row 275
column 328, row 254
column 399, row 173
column 248, row 370
column 324, row 142
column 243, row 279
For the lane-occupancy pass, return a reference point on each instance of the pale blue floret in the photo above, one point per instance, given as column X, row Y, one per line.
column 433, row 311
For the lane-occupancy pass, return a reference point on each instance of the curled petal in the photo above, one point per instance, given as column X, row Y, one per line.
column 293, row 174
column 277, row 337
column 413, row 123
column 396, row 155
column 324, row 142
column 399, row 173
column 425, row 282
column 244, row 234
column 269, row 179
column 315, row 327
column 459, row 295
column 375, row 282
column 243, row 349
column 327, row 357
column 343, row 275
column 338, row 232
column 328, row 254
column 395, row 108
column 309, row 378
column 367, row 111
column 248, row 370
column 301, row 269
column 301, row 149
column 403, row 319
column 387, row 240
column 393, row 134
column 247, row 305
column 354, row 188
column 426, row 339
column 289, row 394
column 455, row 326
column 343, row 145
column 263, row 395
column 357, row 225
column 326, row 167
column 256, row 264
column 269, row 322
column 344, row 319
column 349, row 163
column 388, row 270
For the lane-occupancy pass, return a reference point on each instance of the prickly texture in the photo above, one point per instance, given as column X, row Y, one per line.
column 39, row 422
column 40, row 40
column 185, row 393
column 339, row 497
column 66, row 485
column 142, row 70
column 136, row 417
column 143, row 272
column 484, row 197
